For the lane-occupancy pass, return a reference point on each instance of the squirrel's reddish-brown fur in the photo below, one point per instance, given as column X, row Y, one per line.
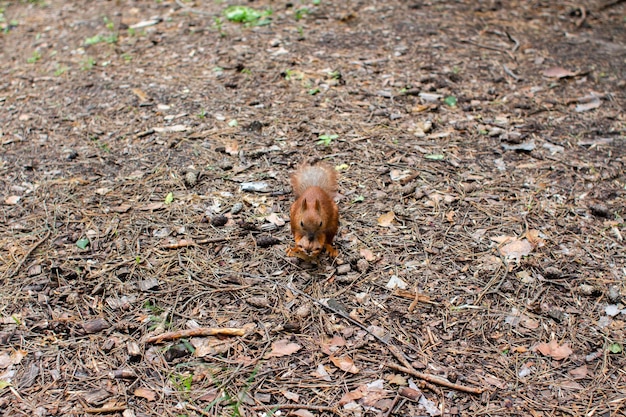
column 314, row 214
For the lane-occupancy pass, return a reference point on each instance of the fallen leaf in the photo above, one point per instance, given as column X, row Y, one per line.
column 368, row 255
column 12, row 200
column 534, row 239
column 588, row 103
column 516, row 249
column 397, row 175
column 554, row 350
column 142, row 96
column 291, row 396
column 102, row 191
column 353, row 395
column 333, row 345
column 283, row 348
column 146, row 393
column 232, row 148
column 152, row 206
column 558, row 72
column 303, row 413
column 580, row 372
column 396, row 282
column 386, row 219
column 205, row 346
column 122, row 208
column 14, row 358
column 450, row 216
column 345, row 364
column 396, row 379
column 274, row 218
column 321, row 373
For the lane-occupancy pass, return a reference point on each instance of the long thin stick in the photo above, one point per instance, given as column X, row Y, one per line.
column 437, row 380
column 201, row 331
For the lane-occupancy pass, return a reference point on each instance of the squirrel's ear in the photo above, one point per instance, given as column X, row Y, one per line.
column 318, row 206
column 304, row 204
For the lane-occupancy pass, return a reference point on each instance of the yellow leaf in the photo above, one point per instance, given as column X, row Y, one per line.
column 386, row 219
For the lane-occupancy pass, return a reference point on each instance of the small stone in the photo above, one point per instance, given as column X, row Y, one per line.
column 303, row 311
column 258, row 302
column 613, row 294
column 362, row 265
column 343, row 269
column 236, row 208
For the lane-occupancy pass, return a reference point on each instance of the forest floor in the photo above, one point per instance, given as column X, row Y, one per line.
column 145, row 154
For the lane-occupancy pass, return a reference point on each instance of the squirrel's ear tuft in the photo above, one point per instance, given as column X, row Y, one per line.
column 318, row 206
column 304, row 204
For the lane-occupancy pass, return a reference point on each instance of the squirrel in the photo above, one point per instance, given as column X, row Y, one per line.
column 314, row 216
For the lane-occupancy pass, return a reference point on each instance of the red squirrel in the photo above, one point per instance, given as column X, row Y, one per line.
column 314, row 214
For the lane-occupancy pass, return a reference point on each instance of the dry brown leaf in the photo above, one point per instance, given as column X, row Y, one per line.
column 321, row 373
column 291, row 396
column 345, row 364
column 516, row 249
column 554, row 350
column 146, row 393
column 205, row 346
column 386, row 219
column 450, row 216
column 303, row 413
column 580, row 372
column 13, row 358
column 274, row 218
column 333, row 345
column 152, row 206
column 232, row 147
column 396, row 379
column 368, row 255
column 142, row 96
column 534, row 239
column 357, row 394
column 122, row 208
column 558, row 72
column 283, row 348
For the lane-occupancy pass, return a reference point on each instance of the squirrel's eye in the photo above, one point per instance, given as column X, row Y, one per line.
column 320, row 224
column 301, row 223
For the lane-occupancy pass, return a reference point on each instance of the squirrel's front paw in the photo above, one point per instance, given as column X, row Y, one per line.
column 332, row 252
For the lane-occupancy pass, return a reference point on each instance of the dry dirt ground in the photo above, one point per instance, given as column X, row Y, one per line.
column 145, row 151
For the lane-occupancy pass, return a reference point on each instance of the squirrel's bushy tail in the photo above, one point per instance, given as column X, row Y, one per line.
column 320, row 175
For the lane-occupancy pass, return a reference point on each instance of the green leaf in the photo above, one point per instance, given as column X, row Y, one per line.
column 359, row 199
column 615, row 348
column 4, row 384
column 326, row 139
column 82, row 243
column 244, row 14
column 233, row 123
column 450, row 101
column 435, row 156
column 314, row 91
column 169, row 198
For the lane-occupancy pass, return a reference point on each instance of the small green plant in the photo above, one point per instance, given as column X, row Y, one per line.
column 182, row 382
column 326, row 140
column 247, row 15
column 35, row 56
column 314, row 91
column 218, row 24
column 87, row 64
column 108, row 23
column 127, row 58
column 131, row 31
column 202, row 114
column 169, row 198
column 93, row 40
column 300, row 30
column 61, row 69
column 246, row 71
column 316, row 2
column 300, row 13
column 450, row 101
column 335, row 75
column 82, row 243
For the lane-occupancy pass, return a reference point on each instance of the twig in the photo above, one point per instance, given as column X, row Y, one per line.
column 30, row 251
column 437, row 380
column 491, row 48
column 511, row 74
column 611, row 4
column 296, row 407
column 201, row 331
column 101, row 410
column 393, row 404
